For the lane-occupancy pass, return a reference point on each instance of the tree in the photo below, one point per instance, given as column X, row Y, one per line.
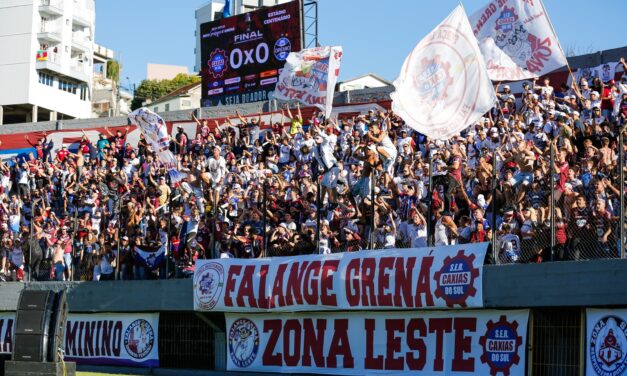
column 155, row 89
column 113, row 73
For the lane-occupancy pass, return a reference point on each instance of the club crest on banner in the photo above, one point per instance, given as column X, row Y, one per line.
column 511, row 36
column 139, row 339
column 217, row 63
column 208, row 284
column 434, row 80
column 501, row 343
column 243, row 342
column 456, row 279
column 608, row 345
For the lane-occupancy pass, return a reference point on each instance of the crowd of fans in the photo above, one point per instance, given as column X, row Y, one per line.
column 542, row 165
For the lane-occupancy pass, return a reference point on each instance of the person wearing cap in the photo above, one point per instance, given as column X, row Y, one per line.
column 324, row 155
column 546, row 88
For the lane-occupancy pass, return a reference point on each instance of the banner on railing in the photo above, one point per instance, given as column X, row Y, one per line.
column 102, row 338
column 7, row 323
column 358, row 343
column 606, row 342
column 435, row 277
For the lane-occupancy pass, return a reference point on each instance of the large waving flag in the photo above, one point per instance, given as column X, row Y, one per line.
column 309, row 76
column 155, row 131
column 522, row 30
column 443, row 86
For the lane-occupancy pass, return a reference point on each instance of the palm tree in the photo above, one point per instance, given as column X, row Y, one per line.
column 113, row 73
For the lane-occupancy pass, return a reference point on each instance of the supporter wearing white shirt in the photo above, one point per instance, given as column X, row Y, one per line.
column 217, row 167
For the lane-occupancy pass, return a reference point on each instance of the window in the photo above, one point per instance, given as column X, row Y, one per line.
column 156, row 109
column 67, row 86
column 167, row 107
column 45, row 79
column 84, row 93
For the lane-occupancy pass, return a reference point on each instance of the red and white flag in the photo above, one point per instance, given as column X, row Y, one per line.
column 443, row 86
column 309, row 76
column 522, row 30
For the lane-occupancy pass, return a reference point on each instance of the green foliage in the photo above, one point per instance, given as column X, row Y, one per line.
column 113, row 70
column 155, row 89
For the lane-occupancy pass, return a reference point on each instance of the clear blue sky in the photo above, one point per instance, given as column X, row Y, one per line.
column 376, row 35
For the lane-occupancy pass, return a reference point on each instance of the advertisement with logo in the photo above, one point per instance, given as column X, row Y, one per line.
column 241, row 55
column 102, row 338
column 448, row 277
column 357, row 343
column 606, row 342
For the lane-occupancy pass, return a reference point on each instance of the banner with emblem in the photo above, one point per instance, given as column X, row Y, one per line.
column 309, row 76
column 443, row 86
column 479, row 342
column 522, row 30
column 606, row 342
column 117, row 339
column 447, row 277
column 150, row 257
column 500, row 66
column 155, row 130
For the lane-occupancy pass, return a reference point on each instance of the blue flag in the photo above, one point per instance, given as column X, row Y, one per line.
column 226, row 11
column 150, row 257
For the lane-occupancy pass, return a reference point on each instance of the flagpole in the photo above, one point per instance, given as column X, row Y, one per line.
column 557, row 40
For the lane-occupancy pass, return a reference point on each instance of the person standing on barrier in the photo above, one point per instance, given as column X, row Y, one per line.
column 58, row 260
column 579, row 229
column 601, row 219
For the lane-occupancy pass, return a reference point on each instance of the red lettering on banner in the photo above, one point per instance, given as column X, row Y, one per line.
column 402, row 282
column 263, row 275
column 463, row 344
column 291, row 359
column 294, row 283
column 277, row 289
column 541, row 53
column 439, row 326
column 269, row 358
column 311, row 296
column 371, row 362
column 107, row 328
column 340, row 345
column 313, row 342
column 89, row 334
column 329, row 268
column 352, row 282
column 416, row 363
column 368, row 270
column 394, row 344
column 234, row 271
column 385, row 264
column 246, row 288
column 423, row 285
column 98, row 327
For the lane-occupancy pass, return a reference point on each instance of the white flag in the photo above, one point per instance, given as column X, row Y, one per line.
column 155, row 130
column 443, row 86
column 521, row 29
column 500, row 66
column 309, row 76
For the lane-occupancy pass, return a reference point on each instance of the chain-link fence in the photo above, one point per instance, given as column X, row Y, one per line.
column 565, row 208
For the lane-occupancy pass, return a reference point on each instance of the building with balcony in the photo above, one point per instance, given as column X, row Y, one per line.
column 213, row 11
column 48, row 73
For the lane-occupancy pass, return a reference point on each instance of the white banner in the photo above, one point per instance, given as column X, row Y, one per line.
column 606, row 342
column 102, row 338
column 309, row 76
column 7, row 325
column 522, row 29
column 155, row 131
column 443, row 86
column 357, row 343
column 436, row 277
column 500, row 66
